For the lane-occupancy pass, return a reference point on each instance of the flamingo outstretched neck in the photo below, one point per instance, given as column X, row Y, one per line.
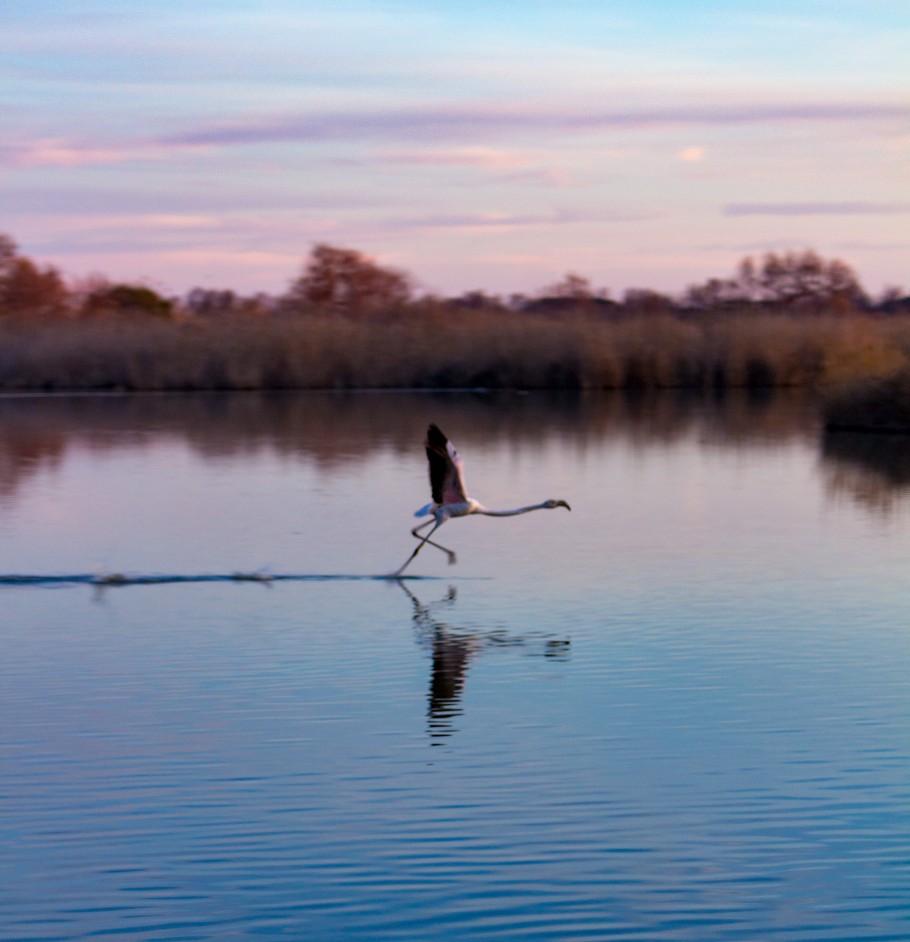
column 450, row 496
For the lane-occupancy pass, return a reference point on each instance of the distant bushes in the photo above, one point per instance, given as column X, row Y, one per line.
column 137, row 300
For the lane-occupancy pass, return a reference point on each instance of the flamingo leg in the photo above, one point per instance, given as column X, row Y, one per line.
column 423, row 540
column 453, row 558
column 416, row 533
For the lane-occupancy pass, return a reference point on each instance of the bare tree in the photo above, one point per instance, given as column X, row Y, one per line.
column 207, row 302
column 801, row 281
column 8, row 252
column 27, row 291
column 646, row 301
column 346, row 281
column 572, row 287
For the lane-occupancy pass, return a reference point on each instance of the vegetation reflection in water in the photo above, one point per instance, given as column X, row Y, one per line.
column 340, row 429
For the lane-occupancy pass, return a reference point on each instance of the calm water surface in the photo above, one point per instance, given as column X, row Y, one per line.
column 680, row 712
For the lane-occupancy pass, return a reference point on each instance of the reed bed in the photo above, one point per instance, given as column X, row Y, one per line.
column 467, row 350
column 875, row 404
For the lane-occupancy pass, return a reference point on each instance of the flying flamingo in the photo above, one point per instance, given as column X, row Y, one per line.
column 450, row 497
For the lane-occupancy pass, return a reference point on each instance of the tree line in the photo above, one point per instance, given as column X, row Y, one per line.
column 338, row 281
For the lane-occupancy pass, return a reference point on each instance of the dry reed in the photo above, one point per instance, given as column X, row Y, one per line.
column 879, row 404
column 435, row 350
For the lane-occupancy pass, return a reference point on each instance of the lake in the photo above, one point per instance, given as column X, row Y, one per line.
column 679, row 712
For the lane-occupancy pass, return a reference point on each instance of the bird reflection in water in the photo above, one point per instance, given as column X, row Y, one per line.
column 452, row 651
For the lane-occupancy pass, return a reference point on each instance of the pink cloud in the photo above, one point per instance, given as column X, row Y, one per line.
column 56, row 152
column 500, row 220
column 857, row 208
column 692, row 154
column 483, row 221
column 459, row 156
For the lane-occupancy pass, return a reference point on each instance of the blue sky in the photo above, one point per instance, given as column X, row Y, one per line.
column 486, row 145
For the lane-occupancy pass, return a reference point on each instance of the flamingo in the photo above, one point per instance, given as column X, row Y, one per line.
column 450, row 497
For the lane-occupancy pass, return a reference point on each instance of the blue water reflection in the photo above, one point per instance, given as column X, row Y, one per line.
column 679, row 713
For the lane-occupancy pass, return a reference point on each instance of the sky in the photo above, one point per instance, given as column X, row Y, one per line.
column 493, row 145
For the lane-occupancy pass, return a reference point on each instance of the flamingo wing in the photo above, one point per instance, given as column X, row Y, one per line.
column 446, row 479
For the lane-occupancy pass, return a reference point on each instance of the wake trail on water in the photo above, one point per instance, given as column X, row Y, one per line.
column 122, row 579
